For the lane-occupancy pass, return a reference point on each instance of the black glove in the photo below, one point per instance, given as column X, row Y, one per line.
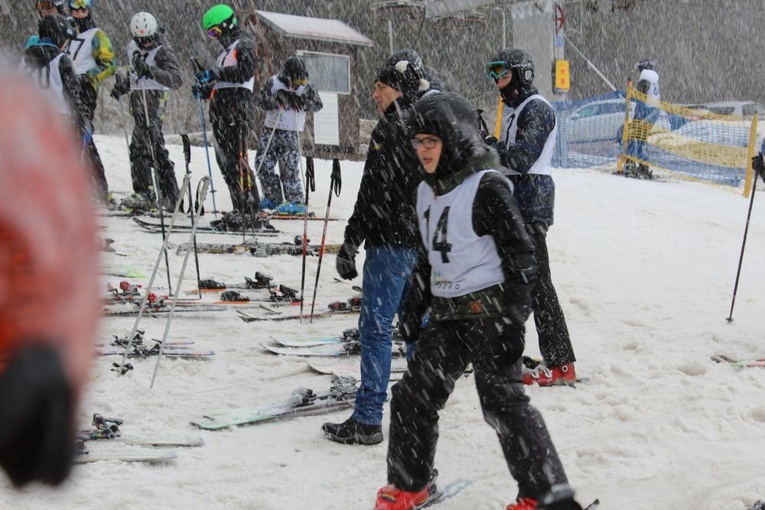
column 286, row 99
column 758, row 165
column 36, row 432
column 298, row 103
column 121, row 87
column 202, row 91
column 346, row 262
column 140, row 67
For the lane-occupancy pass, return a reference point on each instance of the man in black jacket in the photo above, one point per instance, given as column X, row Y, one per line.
column 155, row 70
column 229, row 85
column 384, row 219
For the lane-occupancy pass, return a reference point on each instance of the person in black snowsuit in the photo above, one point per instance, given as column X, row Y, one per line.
column 525, row 150
column 476, row 272
column 93, row 58
column 383, row 220
column 155, row 70
column 229, row 87
column 52, row 71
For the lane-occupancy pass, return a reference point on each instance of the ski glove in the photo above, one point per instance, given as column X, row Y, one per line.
column 758, row 165
column 205, row 76
column 201, row 91
column 140, row 67
column 37, row 429
column 346, row 262
column 121, row 87
column 286, row 99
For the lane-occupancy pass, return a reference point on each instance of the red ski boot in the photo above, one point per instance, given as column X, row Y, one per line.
column 523, row 504
column 392, row 498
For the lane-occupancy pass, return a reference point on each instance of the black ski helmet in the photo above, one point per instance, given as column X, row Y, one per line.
column 520, row 63
column 646, row 64
column 55, row 28
column 294, row 69
column 410, row 56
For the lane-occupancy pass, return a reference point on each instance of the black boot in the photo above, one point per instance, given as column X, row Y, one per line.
column 353, row 432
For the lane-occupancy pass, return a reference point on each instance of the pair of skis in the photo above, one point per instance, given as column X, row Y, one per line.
column 107, row 430
column 302, row 402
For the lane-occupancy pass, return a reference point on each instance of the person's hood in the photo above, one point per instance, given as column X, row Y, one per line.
column 84, row 24
column 454, row 120
column 513, row 96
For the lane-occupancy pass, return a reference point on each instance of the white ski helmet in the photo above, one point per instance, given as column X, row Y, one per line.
column 143, row 25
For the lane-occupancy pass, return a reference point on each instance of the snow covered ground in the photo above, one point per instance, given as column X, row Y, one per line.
column 645, row 272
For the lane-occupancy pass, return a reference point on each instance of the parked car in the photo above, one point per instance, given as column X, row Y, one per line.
column 601, row 121
column 745, row 109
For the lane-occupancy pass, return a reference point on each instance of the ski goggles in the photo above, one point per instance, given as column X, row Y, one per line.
column 45, row 6
column 142, row 41
column 297, row 82
column 496, row 70
column 214, row 32
column 428, row 142
column 79, row 5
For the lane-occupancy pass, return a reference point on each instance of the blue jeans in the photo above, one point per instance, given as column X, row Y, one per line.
column 386, row 273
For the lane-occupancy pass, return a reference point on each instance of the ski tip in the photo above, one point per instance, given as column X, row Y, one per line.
column 594, row 505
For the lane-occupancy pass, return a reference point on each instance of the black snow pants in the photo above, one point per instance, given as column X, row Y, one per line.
column 89, row 101
column 232, row 115
column 147, row 147
column 554, row 341
column 443, row 352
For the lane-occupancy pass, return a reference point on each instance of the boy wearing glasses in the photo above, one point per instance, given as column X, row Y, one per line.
column 155, row 70
column 93, row 57
column 229, row 85
column 476, row 272
column 525, row 148
column 286, row 98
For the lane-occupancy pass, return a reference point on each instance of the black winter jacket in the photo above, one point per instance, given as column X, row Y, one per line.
column 495, row 214
column 39, row 56
column 535, row 193
column 235, row 104
column 384, row 211
column 167, row 71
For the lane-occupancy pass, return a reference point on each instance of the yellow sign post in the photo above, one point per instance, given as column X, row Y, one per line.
column 562, row 76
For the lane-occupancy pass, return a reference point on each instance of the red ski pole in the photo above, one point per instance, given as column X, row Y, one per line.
column 335, row 184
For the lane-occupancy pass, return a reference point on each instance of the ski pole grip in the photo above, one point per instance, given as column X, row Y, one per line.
column 186, row 147
column 336, row 180
column 197, row 66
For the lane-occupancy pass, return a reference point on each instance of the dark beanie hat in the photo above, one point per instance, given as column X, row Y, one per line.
column 404, row 77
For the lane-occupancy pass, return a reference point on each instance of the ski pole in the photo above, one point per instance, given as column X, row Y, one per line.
column 268, row 144
column 157, row 191
column 187, row 157
column 743, row 245
column 310, row 185
column 124, row 125
column 201, row 191
column 142, row 307
column 199, row 67
column 335, row 184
